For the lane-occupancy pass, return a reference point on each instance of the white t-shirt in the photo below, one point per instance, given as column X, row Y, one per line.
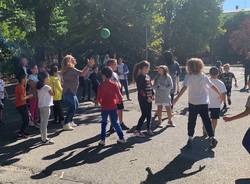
column 115, row 77
column 2, row 85
column 120, row 69
column 198, row 86
column 215, row 101
column 44, row 97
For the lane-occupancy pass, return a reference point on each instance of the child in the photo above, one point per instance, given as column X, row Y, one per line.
column 21, row 105
column 94, row 77
column 215, row 102
column 198, row 98
column 2, row 96
column 112, row 63
column 145, row 96
column 163, row 85
column 246, row 139
column 227, row 77
column 45, row 101
column 33, row 102
column 55, row 83
column 109, row 96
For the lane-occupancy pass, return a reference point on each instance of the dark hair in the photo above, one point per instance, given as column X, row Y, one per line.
column 168, row 58
column 111, row 61
column 41, row 77
column 139, row 66
column 107, row 72
column 214, row 71
column 21, row 77
column 53, row 69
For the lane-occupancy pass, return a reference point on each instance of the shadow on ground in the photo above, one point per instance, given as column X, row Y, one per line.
column 89, row 155
column 243, row 181
column 184, row 161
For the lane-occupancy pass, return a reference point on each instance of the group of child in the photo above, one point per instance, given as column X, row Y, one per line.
column 205, row 97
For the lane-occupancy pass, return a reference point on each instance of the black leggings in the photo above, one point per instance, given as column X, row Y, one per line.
column 23, row 111
column 202, row 110
column 146, row 109
column 58, row 111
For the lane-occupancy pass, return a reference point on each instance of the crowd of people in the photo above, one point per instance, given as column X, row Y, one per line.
column 41, row 89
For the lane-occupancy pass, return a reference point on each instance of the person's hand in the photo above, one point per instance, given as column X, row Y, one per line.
column 149, row 100
column 227, row 119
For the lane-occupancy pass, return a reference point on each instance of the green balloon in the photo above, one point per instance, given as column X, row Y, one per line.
column 105, row 33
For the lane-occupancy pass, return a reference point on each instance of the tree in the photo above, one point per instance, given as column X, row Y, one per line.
column 240, row 38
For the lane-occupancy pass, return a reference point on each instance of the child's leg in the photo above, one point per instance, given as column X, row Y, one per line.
column 214, row 124
column 116, row 125
column 44, row 115
column 159, row 113
column 192, row 117
column 149, row 116
column 104, row 115
column 25, row 117
column 203, row 111
column 169, row 113
column 60, row 111
column 32, row 108
column 55, row 110
column 143, row 107
column 120, row 115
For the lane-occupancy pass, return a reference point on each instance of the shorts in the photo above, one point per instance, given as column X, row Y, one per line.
column 120, row 106
column 214, row 113
column 164, row 104
column 1, row 104
column 229, row 90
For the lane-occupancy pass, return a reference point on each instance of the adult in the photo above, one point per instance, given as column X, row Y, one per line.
column 123, row 71
column 174, row 71
column 247, row 70
column 70, row 85
column 22, row 68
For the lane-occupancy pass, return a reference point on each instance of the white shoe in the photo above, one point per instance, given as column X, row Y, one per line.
column 121, row 141
column 68, row 127
column 101, row 143
column 73, row 124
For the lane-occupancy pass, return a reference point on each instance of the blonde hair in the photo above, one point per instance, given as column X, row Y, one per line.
column 195, row 66
column 164, row 68
column 226, row 66
column 65, row 62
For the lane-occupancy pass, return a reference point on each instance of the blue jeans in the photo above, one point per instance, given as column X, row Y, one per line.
column 124, row 84
column 114, row 120
column 72, row 103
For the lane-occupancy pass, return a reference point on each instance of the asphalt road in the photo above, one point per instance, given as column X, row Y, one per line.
column 76, row 158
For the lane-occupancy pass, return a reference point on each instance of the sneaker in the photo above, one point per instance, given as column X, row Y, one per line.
column 139, row 134
column 101, row 143
column 204, row 134
column 22, row 135
column 171, row 124
column 229, row 101
column 121, row 141
column 189, row 143
column 68, row 127
column 213, row 142
column 150, row 132
column 111, row 130
column 124, row 127
column 73, row 124
column 48, row 142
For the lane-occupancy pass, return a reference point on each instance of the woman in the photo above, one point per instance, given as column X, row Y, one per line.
column 174, row 71
column 70, row 85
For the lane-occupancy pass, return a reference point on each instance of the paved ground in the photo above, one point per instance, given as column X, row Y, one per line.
column 76, row 158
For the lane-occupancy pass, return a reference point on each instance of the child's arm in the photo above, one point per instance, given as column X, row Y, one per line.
column 89, row 65
column 238, row 116
column 27, row 97
column 183, row 89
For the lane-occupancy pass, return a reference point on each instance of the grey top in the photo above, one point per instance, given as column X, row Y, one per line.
column 71, row 80
column 163, row 86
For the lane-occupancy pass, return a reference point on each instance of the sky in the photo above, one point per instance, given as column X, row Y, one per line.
column 229, row 5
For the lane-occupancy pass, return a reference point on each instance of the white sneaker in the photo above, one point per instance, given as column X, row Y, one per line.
column 73, row 124
column 68, row 127
column 101, row 143
column 121, row 141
